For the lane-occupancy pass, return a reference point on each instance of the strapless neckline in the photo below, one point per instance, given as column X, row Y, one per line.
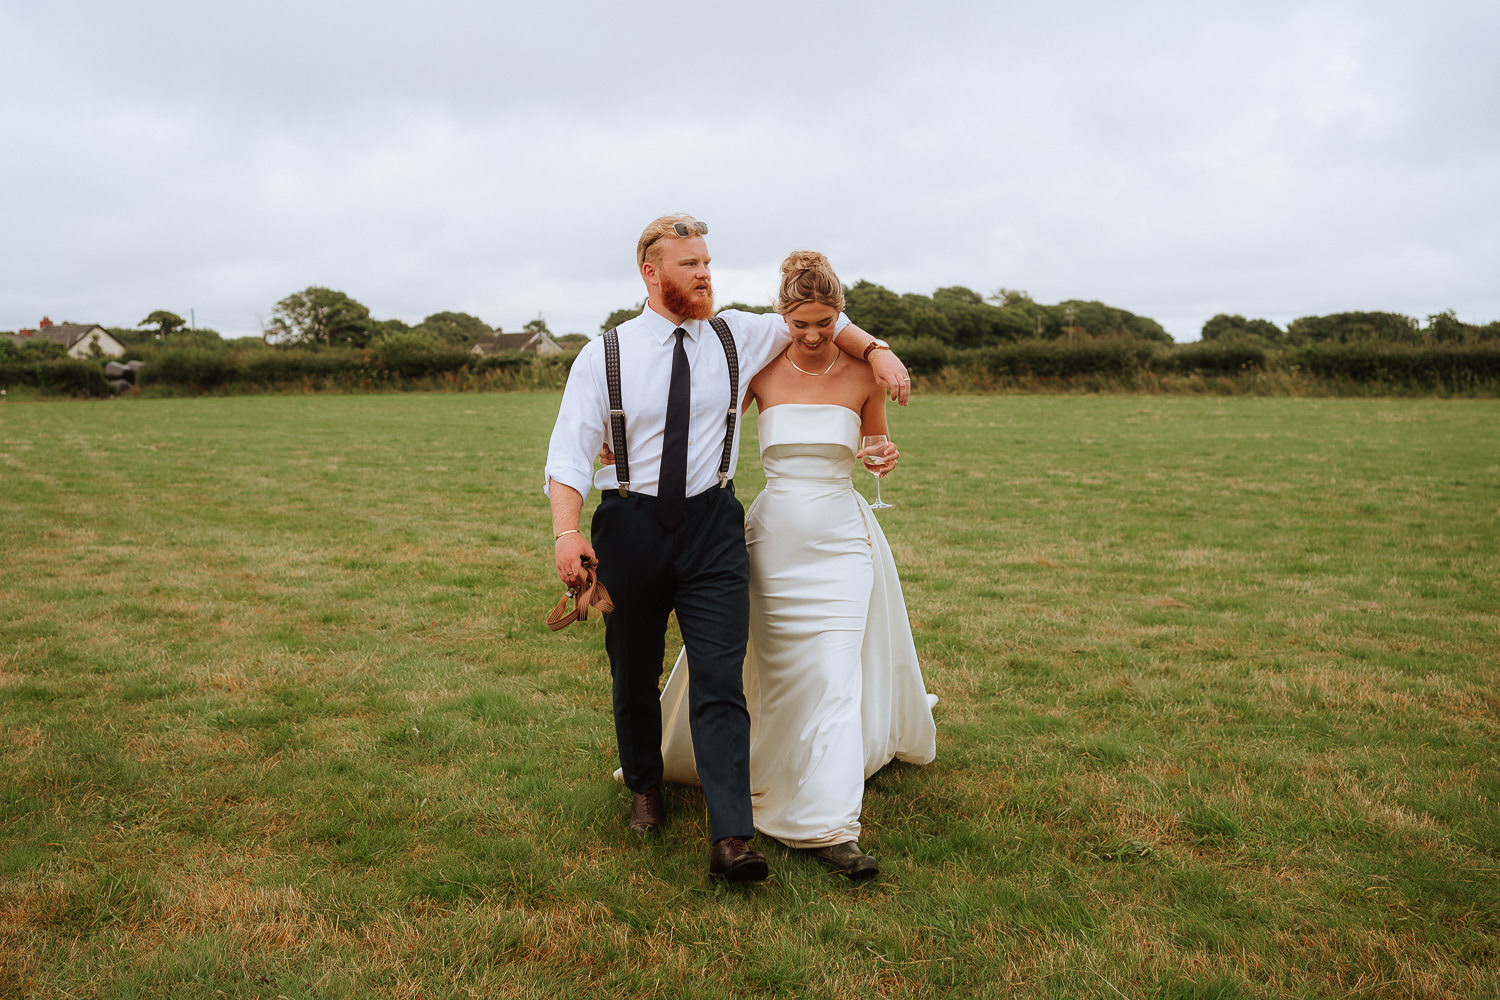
column 808, row 406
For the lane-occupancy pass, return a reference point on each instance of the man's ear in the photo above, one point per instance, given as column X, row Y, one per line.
column 649, row 273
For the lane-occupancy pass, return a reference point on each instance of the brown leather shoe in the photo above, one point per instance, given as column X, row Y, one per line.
column 648, row 813
column 731, row 859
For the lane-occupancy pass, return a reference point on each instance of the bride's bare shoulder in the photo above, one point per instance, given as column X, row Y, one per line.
column 858, row 370
column 767, row 383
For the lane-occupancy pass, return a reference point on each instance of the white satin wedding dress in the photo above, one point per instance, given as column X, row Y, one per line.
column 831, row 676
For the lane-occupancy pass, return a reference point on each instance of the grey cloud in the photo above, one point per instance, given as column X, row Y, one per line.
column 1171, row 158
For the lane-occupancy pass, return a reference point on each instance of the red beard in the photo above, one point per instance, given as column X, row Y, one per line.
column 681, row 300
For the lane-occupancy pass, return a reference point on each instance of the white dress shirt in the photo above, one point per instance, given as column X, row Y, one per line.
column 646, row 345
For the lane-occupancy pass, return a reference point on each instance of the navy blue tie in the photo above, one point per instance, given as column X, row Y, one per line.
column 671, row 490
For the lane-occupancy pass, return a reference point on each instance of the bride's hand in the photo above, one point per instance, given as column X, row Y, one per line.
column 606, row 456
column 884, row 468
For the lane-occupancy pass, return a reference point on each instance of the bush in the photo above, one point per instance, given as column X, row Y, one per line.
column 35, row 348
column 411, row 355
column 62, row 376
column 552, row 369
column 1214, row 357
column 505, row 361
column 189, row 366
column 410, row 361
column 287, row 366
column 1063, row 358
column 922, row 355
column 1354, row 327
column 1428, row 365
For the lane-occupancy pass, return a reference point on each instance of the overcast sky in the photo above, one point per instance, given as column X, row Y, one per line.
column 1177, row 159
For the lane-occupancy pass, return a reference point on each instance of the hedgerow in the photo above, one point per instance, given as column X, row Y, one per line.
column 409, row 362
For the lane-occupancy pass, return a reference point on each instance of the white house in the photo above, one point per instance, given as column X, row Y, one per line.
column 536, row 343
column 78, row 339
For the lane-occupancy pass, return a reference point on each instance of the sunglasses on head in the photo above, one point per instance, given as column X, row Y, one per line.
column 682, row 229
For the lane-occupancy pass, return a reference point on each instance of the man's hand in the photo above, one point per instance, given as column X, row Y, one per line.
column 570, row 551
column 891, row 374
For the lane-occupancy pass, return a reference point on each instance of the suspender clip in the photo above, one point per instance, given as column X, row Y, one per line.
column 624, row 489
column 723, row 480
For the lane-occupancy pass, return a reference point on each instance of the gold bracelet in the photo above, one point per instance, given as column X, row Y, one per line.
column 571, row 531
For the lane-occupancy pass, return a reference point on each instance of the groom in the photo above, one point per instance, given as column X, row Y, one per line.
column 669, row 534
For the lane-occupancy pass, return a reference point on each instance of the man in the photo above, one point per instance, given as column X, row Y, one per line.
column 675, row 539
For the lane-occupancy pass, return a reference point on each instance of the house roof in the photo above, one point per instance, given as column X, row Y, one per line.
column 506, row 341
column 67, row 334
column 494, row 342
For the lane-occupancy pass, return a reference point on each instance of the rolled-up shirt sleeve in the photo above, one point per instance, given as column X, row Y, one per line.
column 582, row 419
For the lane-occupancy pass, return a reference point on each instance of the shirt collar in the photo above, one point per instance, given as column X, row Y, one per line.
column 662, row 328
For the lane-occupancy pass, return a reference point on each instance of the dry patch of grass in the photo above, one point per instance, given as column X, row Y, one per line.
column 1203, row 733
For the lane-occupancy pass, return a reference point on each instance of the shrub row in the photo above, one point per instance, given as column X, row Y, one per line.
column 1087, row 356
column 1448, row 365
column 1062, row 359
column 54, row 376
column 411, row 363
column 1437, row 366
column 398, row 362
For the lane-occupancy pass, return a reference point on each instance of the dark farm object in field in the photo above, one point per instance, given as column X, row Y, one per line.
column 121, row 376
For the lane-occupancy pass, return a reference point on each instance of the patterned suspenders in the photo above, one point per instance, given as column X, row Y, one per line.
column 617, row 407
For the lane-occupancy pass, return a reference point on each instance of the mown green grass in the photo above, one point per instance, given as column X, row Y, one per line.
column 279, row 718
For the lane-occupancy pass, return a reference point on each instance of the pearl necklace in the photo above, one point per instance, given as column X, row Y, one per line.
column 825, row 371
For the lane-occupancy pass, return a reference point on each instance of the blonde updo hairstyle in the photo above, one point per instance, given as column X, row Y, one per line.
column 806, row 276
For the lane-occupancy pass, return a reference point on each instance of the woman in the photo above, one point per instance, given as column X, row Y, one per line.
column 831, row 676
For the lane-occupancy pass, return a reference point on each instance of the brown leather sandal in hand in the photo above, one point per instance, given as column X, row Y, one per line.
column 587, row 593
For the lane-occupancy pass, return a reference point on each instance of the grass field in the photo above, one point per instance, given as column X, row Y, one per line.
column 1219, row 713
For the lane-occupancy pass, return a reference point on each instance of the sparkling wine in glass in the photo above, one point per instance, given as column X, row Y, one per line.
column 882, row 447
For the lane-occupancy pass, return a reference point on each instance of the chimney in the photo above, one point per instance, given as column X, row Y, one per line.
column 44, row 323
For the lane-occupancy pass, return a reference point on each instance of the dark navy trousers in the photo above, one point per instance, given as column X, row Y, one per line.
column 701, row 571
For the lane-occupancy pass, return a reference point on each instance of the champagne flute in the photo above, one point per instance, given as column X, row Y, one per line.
column 882, row 444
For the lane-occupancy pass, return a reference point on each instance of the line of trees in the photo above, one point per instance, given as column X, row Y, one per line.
column 1100, row 364
column 330, row 318
column 322, row 338
column 960, row 317
column 954, row 317
column 321, row 318
column 1351, row 328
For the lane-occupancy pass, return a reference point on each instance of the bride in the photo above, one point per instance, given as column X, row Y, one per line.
column 831, row 676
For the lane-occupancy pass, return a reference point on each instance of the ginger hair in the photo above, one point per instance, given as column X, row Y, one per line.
column 661, row 229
